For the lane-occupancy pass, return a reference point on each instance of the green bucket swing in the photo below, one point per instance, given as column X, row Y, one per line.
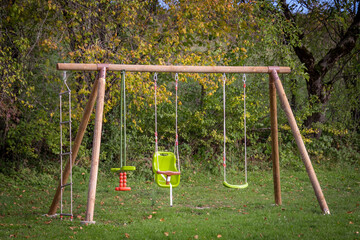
column 167, row 174
column 225, row 183
column 164, row 164
column 123, row 167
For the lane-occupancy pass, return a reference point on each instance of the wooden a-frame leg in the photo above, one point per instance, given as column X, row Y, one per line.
column 274, row 142
column 300, row 143
column 96, row 149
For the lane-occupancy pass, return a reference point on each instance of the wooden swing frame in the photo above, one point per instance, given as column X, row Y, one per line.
column 98, row 92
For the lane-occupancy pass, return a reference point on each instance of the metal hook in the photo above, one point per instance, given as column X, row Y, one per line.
column 65, row 79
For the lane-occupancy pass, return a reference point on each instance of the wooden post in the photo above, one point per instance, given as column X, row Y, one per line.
column 274, row 142
column 96, row 148
column 300, row 143
column 75, row 149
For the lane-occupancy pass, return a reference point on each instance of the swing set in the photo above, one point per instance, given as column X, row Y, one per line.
column 166, row 165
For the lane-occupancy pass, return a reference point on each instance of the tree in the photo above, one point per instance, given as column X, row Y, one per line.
column 326, row 32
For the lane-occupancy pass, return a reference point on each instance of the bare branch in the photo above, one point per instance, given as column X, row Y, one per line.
column 342, row 48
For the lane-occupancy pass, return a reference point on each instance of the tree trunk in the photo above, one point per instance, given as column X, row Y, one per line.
column 316, row 89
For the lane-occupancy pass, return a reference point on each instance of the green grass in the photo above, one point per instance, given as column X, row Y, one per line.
column 203, row 208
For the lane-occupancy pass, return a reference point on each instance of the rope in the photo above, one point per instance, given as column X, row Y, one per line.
column 121, row 121
column 70, row 149
column 61, row 150
column 176, row 148
column 124, row 102
column 156, row 133
column 245, row 153
column 245, row 141
column 224, row 104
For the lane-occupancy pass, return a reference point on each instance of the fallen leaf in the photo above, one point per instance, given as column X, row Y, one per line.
column 150, row 216
column 101, row 203
column 219, row 236
column 127, row 235
column 351, row 222
column 196, row 237
column 162, row 220
column 166, row 233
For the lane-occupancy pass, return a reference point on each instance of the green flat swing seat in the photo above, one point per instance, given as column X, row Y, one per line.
column 235, row 186
column 124, row 168
column 164, row 166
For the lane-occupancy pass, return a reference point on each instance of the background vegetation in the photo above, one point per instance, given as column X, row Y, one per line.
column 317, row 39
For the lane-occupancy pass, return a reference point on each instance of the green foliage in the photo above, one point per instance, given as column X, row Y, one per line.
column 35, row 35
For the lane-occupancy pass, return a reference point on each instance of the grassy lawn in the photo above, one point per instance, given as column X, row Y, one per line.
column 203, row 208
